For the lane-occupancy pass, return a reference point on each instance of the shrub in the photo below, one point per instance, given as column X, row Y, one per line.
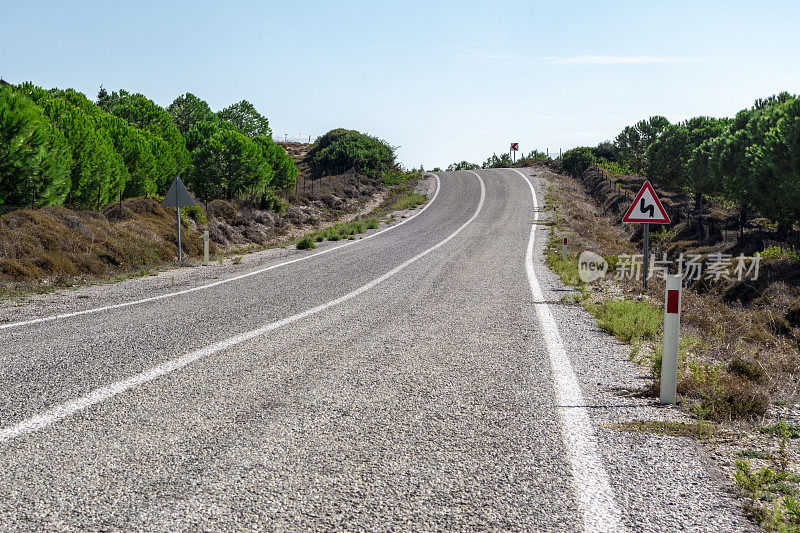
column 409, row 201
column 272, row 203
column 747, row 369
column 629, row 320
column 341, row 149
column 577, row 160
column 306, row 243
column 777, row 252
column 614, row 167
column 344, row 231
column 393, row 177
column 194, row 212
column 463, row 165
column 791, row 430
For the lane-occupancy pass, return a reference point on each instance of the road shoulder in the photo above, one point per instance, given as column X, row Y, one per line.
column 643, row 467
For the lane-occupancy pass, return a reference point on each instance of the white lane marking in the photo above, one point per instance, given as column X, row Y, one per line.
column 221, row 282
column 595, row 495
column 98, row 395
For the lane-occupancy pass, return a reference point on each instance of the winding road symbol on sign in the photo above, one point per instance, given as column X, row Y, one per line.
column 650, row 208
column 646, row 208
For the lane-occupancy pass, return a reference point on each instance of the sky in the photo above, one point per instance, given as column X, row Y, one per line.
column 441, row 81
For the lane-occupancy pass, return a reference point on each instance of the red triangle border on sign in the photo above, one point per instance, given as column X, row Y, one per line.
column 665, row 218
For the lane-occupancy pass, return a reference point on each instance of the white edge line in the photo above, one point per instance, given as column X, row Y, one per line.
column 221, row 282
column 66, row 409
column 592, row 486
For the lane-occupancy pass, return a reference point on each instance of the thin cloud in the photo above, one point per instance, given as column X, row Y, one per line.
column 511, row 59
column 617, row 60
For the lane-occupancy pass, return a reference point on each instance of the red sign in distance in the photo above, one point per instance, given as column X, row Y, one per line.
column 515, row 146
column 646, row 208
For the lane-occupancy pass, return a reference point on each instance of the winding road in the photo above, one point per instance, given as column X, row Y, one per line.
column 417, row 379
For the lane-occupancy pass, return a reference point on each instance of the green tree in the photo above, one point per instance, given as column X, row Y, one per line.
column 187, row 110
column 534, row 155
column 504, row 161
column 283, row 167
column 146, row 115
column 207, row 178
column 35, row 159
column 226, row 163
column 98, row 174
column 608, row 151
column 577, row 160
column 773, row 159
column 136, row 148
column 463, row 165
column 342, row 149
column 667, row 157
column 702, row 174
column 633, row 142
column 245, row 118
column 782, row 154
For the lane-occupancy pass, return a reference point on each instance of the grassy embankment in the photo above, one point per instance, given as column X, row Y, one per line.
column 400, row 196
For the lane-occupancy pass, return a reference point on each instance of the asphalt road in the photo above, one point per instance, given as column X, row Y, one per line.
column 409, row 381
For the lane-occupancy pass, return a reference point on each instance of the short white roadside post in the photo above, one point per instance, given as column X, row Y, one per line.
column 564, row 250
column 205, row 248
column 672, row 324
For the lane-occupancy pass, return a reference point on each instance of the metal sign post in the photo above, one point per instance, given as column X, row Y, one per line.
column 178, row 196
column 646, row 253
column 178, row 220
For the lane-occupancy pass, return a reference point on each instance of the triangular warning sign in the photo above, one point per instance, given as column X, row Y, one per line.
column 177, row 195
column 646, row 207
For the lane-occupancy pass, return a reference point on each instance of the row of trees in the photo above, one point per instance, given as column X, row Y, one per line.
column 57, row 146
column 752, row 160
column 503, row 161
column 231, row 151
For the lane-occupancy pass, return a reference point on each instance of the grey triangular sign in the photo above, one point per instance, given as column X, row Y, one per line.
column 178, row 192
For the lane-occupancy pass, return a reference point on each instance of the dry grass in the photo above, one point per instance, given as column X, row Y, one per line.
column 697, row 430
column 56, row 245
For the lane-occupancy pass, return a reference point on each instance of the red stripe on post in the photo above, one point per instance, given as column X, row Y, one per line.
column 565, row 240
column 672, row 301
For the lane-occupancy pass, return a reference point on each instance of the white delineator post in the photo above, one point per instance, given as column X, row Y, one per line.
column 564, row 250
column 205, row 248
column 672, row 324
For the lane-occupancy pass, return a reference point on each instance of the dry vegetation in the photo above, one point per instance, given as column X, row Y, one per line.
column 56, row 246
column 745, row 334
column 739, row 340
